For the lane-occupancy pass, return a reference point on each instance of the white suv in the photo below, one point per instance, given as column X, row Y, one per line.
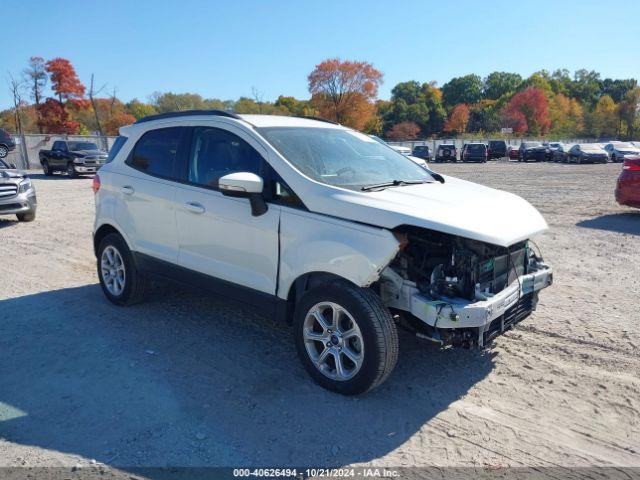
column 320, row 225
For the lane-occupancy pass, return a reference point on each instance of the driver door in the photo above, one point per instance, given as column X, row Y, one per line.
column 217, row 234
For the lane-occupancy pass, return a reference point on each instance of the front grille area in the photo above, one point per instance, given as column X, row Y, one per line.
column 518, row 312
column 8, row 190
column 10, row 207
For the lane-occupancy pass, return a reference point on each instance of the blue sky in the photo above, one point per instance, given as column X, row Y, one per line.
column 222, row 49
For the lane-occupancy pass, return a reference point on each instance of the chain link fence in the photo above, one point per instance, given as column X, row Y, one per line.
column 459, row 142
column 25, row 156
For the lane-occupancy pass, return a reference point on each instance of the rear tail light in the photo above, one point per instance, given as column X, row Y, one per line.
column 95, row 186
column 632, row 164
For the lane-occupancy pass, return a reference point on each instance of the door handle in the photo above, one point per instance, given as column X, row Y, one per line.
column 194, row 207
column 127, row 190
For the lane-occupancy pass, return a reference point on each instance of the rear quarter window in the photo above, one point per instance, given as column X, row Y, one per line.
column 156, row 152
column 117, row 146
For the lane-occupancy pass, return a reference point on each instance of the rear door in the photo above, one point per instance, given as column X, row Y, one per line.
column 146, row 192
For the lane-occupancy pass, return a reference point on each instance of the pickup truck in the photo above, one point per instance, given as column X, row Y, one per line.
column 73, row 157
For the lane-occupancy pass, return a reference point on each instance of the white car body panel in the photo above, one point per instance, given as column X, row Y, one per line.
column 316, row 243
column 225, row 241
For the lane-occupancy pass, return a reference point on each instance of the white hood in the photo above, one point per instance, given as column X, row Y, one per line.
column 456, row 207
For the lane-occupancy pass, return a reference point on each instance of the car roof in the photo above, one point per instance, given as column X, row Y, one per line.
column 258, row 121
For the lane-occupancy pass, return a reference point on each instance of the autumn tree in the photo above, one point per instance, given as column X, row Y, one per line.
column 55, row 119
column 404, row 131
column 630, row 112
column 139, row 109
column 566, row 115
column 528, row 112
column 417, row 103
column 36, row 79
column 64, row 80
column 458, row 119
column 604, row 119
column 344, row 91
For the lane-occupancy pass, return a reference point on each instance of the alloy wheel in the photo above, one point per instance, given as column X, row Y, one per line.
column 333, row 341
column 112, row 270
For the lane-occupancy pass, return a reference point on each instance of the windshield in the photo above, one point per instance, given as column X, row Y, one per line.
column 75, row 146
column 342, row 158
column 622, row 146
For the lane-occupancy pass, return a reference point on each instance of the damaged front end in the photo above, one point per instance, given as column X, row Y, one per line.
column 458, row 291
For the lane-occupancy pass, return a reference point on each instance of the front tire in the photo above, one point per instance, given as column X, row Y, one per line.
column 71, row 171
column 345, row 337
column 27, row 216
column 119, row 278
column 4, row 151
column 46, row 169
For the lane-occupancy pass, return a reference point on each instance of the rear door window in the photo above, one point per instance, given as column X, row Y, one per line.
column 157, row 151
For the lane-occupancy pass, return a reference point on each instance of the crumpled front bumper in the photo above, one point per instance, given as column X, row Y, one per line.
column 460, row 313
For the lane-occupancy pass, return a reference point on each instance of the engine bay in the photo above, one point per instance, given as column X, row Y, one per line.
column 448, row 266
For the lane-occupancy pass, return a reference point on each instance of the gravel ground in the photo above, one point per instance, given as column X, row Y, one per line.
column 192, row 380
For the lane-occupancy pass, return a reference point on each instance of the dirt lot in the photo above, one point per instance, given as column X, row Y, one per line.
column 187, row 379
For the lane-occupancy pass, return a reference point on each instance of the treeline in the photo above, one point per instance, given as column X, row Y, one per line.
column 555, row 104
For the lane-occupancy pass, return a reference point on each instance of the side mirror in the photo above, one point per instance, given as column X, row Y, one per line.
column 245, row 185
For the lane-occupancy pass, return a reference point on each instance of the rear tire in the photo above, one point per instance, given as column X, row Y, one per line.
column 120, row 280
column 376, row 341
column 27, row 216
column 4, row 151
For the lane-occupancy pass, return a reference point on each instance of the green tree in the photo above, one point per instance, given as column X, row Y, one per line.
column 586, row 87
column 466, row 89
column 498, row 84
column 416, row 103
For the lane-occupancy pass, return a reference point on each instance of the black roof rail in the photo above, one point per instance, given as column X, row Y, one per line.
column 188, row 113
column 319, row 119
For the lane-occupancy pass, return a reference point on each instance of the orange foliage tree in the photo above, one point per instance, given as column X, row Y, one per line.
column 404, row 131
column 458, row 119
column 528, row 111
column 53, row 118
column 345, row 91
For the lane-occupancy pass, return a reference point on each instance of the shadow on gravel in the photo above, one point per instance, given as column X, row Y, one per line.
column 188, row 380
column 5, row 222
column 628, row 222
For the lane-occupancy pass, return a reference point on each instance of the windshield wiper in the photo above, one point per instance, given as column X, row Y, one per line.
column 392, row 183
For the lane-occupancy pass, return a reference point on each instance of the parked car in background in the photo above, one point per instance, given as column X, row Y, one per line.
column 7, row 143
column 17, row 193
column 559, row 154
column 348, row 246
column 73, row 157
column 422, row 151
column 552, row 147
column 513, row 152
column 618, row 151
column 628, row 185
column 532, row 151
column 474, row 152
column 497, row 149
column 406, row 151
column 587, row 153
column 446, row 152
column 418, row 160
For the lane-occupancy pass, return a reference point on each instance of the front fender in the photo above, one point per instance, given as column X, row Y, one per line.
column 311, row 242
